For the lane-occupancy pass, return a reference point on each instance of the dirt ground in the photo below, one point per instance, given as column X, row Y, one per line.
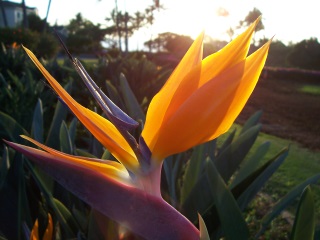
column 287, row 112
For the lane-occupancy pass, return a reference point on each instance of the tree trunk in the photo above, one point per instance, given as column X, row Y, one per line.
column 24, row 10
column 117, row 25
column 126, row 42
column 45, row 20
column 4, row 16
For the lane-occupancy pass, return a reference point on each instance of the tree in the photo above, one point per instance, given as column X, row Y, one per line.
column 230, row 33
column 250, row 18
column 278, row 52
column 170, row 42
column 36, row 23
column 84, row 36
column 305, row 54
column 24, row 11
column 45, row 24
column 124, row 25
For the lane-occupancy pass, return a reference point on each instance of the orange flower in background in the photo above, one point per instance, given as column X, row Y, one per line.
column 48, row 232
column 15, row 45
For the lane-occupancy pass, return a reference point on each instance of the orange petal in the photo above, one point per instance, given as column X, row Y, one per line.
column 108, row 168
column 212, row 109
column 228, row 56
column 100, row 127
column 210, row 67
column 161, row 101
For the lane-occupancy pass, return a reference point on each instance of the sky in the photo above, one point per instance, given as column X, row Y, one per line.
column 286, row 20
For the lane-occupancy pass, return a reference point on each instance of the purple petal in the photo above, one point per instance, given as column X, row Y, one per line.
column 146, row 215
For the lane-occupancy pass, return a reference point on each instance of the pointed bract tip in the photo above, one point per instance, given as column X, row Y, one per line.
column 255, row 23
column 24, row 48
column 204, row 235
column 259, row 18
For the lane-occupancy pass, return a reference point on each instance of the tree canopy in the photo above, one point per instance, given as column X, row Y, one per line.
column 84, row 36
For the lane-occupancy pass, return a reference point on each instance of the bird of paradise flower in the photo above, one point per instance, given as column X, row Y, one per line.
column 199, row 102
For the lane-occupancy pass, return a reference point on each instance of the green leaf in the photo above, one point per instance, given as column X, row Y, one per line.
column 258, row 182
column 18, row 84
column 51, row 202
column 65, row 140
column 317, row 232
column 171, row 168
column 251, row 164
column 37, row 123
column 5, row 165
column 114, row 95
column 230, row 159
column 130, row 100
column 106, row 155
column 232, row 221
column 286, row 201
column 228, row 141
column 67, row 215
column 20, row 206
column 252, row 121
column 304, row 224
column 80, row 217
column 193, row 171
column 210, row 149
column 204, row 235
column 83, row 153
column 6, row 87
column 199, row 200
column 95, row 147
column 24, row 214
column 12, row 128
column 60, row 115
column 73, row 130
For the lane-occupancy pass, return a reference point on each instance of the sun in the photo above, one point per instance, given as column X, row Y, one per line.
column 193, row 17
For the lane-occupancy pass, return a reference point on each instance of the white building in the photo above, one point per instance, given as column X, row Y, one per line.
column 13, row 13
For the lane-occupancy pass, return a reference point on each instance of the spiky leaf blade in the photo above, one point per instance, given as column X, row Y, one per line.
column 304, row 224
column 233, row 227
column 37, row 122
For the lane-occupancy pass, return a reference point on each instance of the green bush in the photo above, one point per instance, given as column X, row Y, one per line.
column 9, row 36
column 43, row 44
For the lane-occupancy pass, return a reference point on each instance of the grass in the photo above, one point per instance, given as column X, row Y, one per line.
column 300, row 165
column 310, row 89
column 90, row 61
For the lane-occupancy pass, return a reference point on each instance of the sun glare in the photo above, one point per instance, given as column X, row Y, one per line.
column 193, row 18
